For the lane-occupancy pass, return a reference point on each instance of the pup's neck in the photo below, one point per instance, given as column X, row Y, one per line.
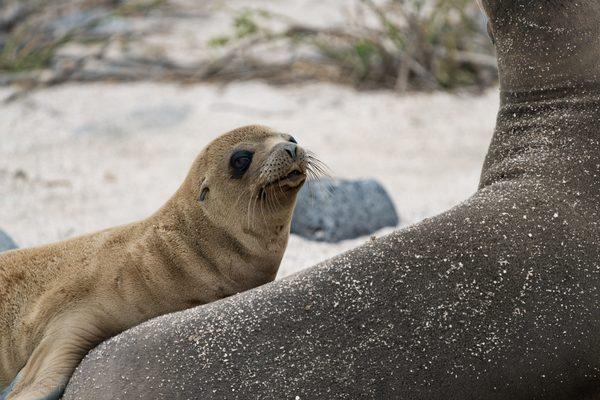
column 252, row 254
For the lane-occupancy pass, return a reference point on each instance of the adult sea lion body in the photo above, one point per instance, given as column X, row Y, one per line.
column 223, row 232
column 495, row 299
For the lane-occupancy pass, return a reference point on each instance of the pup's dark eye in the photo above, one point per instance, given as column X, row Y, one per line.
column 240, row 162
column 291, row 139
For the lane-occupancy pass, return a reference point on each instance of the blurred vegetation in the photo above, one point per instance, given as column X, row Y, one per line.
column 31, row 31
column 397, row 44
column 401, row 44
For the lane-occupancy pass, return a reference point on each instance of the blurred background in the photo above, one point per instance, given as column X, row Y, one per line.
column 105, row 103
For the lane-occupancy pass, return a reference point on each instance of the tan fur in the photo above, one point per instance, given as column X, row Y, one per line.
column 59, row 300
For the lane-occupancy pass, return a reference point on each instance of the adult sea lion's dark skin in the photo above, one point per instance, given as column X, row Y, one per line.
column 223, row 232
column 496, row 299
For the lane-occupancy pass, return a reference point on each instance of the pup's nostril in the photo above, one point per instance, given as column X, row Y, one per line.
column 290, row 148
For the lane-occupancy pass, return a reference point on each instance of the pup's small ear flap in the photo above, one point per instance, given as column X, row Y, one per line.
column 203, row 190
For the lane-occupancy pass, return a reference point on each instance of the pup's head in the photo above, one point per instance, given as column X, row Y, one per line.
column 251, row 177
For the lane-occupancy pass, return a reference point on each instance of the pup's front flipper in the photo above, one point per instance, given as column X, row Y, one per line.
column 9, row 388
column 9, row 391
column 48, row 370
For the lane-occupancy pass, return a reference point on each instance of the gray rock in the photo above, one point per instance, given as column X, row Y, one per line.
column 6, row 243
column 331, row 210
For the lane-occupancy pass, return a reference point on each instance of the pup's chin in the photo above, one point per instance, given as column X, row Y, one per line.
column 293, row 182
column 283, row 191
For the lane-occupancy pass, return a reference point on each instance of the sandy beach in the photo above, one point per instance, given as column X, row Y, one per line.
column 83, row 157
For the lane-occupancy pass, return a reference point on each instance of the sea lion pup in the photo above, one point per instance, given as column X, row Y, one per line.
column 224, row 231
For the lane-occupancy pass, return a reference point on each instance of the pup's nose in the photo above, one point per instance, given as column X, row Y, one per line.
column 290, row 148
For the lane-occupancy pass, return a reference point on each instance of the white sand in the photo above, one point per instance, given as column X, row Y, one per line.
column 79, row 158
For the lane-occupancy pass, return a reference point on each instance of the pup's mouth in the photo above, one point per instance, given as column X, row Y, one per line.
column 292, row 181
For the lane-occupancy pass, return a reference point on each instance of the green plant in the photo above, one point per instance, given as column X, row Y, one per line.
column 31, row 39
column 26, row 52
column 136, row 7
column 415, row 44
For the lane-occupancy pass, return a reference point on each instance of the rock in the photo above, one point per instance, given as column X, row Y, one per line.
column 332, row 210
column 6, row 243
